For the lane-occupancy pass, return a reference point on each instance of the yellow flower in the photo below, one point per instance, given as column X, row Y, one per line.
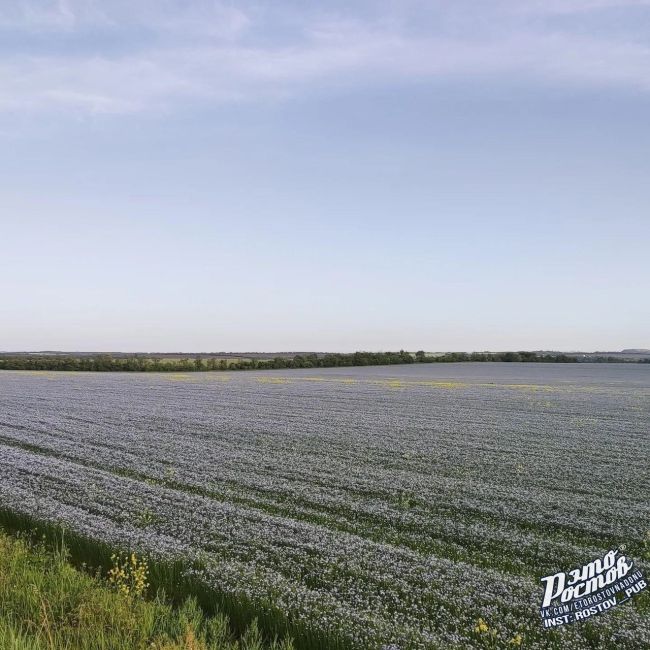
column 129, row 575
column 481, row 626
column 516, row 640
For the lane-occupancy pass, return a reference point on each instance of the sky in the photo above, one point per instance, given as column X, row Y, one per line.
column 201, row 175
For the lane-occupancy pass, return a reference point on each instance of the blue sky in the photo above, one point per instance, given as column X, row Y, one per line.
column 207, row 175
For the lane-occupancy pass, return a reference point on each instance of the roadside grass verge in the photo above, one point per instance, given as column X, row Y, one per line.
column 51, row 583
column 46, row 603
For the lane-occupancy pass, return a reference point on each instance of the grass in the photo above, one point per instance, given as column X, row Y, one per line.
column 173, row 587
column 48, row 604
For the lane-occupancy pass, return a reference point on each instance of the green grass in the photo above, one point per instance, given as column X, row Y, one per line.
column 173, row 587
column 46, row 603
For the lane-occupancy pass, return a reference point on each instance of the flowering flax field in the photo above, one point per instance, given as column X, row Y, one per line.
column 384, row 507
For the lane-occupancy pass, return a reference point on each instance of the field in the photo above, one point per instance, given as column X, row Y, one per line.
column 365, row 507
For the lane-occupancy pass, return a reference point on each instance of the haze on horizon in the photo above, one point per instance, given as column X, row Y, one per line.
column 213, row 176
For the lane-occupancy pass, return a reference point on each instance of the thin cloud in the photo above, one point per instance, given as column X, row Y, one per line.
column 576, row 6
column 208, row 52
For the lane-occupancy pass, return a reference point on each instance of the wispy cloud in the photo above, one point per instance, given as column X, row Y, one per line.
column 196, row 16
column 173, row 52
column 575, row 6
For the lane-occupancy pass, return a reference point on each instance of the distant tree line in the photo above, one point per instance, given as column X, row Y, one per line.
column 532, row 357
column 137, row 363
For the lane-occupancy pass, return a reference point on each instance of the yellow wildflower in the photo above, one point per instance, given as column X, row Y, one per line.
column 129, row 575
column 481, row 626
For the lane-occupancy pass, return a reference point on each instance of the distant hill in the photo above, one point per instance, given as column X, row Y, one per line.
column 629, row 354
column 161, row 355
